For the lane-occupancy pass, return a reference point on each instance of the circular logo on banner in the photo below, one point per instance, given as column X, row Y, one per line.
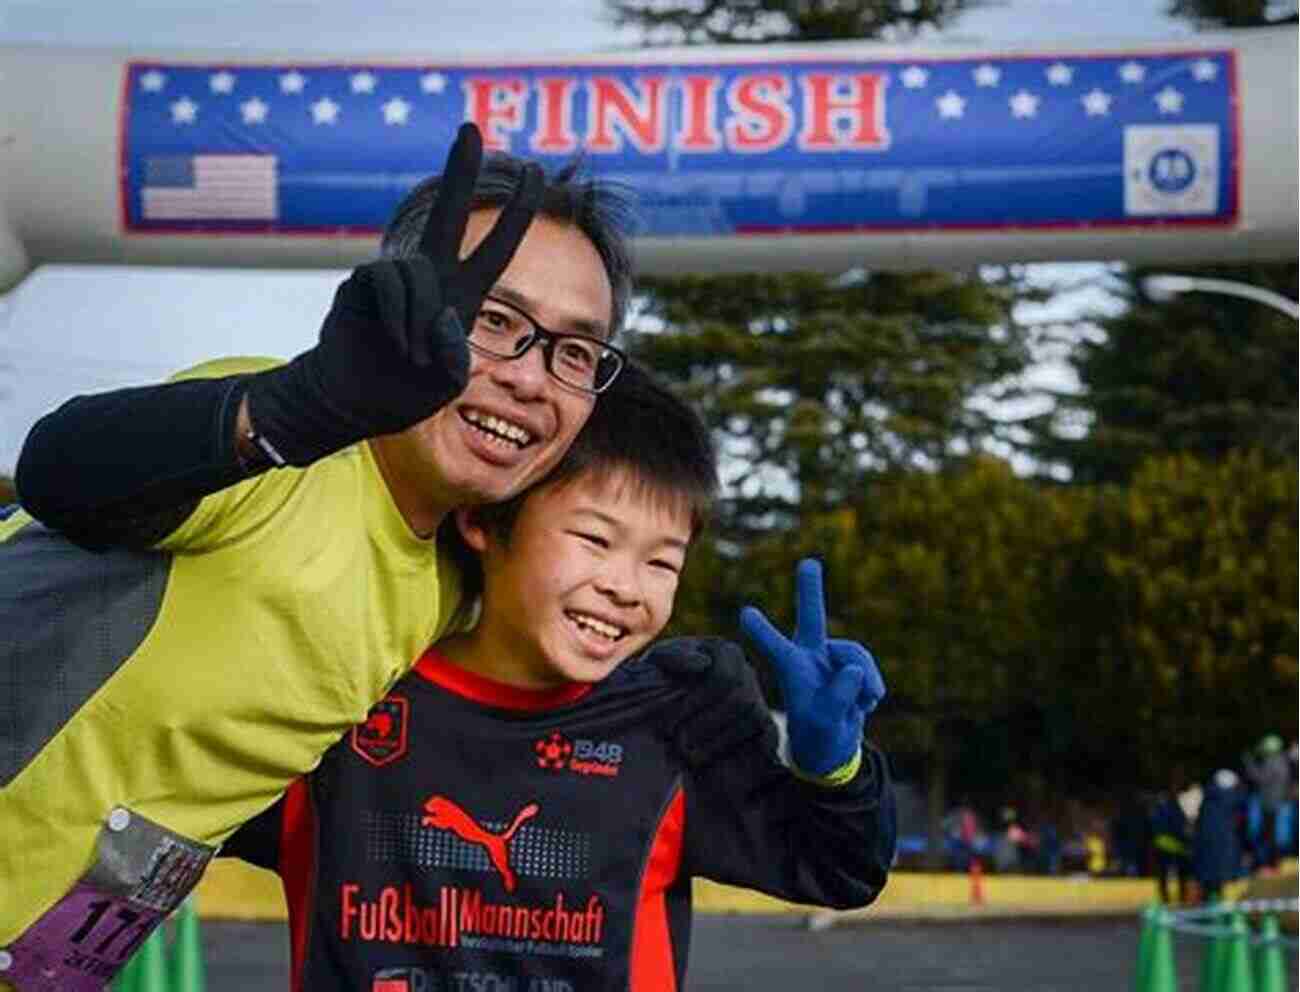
column 1171, row 170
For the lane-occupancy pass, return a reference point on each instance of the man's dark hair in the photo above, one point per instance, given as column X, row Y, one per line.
column 637, row 426
column 601, row 210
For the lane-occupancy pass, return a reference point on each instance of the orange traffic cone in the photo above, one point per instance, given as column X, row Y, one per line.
column 976, row 883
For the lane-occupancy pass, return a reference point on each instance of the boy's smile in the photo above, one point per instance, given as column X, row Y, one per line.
column 587, row 579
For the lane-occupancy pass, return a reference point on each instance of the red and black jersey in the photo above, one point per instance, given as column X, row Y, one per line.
column 470, row 835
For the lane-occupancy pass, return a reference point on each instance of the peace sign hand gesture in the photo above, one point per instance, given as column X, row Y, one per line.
column 392, row 350
column 829, row 686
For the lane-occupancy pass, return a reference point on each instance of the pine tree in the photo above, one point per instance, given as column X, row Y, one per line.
column 766, row 21
column 817, row 384
column 1201, row 374
column 1234, row 13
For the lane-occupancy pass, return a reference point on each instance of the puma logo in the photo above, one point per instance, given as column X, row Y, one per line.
column 444, row 814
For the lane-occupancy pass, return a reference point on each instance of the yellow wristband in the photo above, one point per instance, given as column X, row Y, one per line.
column 840, row 776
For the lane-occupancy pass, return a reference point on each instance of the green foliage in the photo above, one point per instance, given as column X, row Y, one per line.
column 765, row 21
column 1234, row 13
column 1203, row 374
column 815, row 384
column 1199, row 574
column 1089, row 637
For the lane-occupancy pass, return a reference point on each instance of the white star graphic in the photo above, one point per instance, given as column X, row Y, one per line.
column 184, row 111
column 1204, row 70
column 324, row 111
column 1060, row 74
column 364, row 82
column 292, row 82
column 1024, row 104
column 951, row 104
column 1096, row 103
column 433, row 82
column 152, row 81
column 221, row 82
column 914, row 77
column 987, row 75
column 254, row 111
column 1169, row 100
column 396, row 111
column 1132, row 72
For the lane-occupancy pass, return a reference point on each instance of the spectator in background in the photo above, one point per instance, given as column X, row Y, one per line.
column 1010, row 841
column 1216, row 847
column 1094, row 848
column 1049, row 846
column 1270, row 771
column 1169, row 842
column 1130, row 835
column 961, row 827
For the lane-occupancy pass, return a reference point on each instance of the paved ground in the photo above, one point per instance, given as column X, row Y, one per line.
column 775, row 954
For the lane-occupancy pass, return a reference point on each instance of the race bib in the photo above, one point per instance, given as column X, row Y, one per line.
column 142, row 872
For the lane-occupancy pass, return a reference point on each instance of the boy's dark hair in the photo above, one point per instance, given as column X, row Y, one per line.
column 601, row 210
column 639, row 426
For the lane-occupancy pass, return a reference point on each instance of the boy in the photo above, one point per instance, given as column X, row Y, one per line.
column 512, row 815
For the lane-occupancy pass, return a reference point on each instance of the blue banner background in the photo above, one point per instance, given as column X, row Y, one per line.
column 1159, row 144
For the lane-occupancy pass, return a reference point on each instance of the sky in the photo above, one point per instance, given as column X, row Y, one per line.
column 483, row 27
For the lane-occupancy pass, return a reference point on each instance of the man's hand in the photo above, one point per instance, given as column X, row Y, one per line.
column 392, row 349
column 830, row 687
column 723, row 709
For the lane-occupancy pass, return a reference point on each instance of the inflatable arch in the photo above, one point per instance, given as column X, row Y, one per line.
column 825, row 156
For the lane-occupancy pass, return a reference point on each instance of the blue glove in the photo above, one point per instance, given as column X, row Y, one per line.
column 829, row 687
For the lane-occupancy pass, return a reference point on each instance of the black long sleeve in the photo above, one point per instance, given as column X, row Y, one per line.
column 125, row 468
column 258, row 840
column 751, row 822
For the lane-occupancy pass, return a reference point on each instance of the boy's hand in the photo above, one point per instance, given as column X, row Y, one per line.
column 723, row 709
column 392, row 349
column 829, row 686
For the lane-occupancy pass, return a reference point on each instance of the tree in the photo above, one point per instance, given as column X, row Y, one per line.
column 1234, row 13
column 1199, row 576
column 815, row 384
column 767, row 21
column 1202, row 375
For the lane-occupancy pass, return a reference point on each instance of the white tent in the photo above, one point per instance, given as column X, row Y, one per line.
column 69, row 329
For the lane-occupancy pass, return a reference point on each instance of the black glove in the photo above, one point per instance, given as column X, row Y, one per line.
column 723, row 710
column 392, row 349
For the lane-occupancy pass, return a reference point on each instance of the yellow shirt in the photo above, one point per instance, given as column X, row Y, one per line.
column 193, row 683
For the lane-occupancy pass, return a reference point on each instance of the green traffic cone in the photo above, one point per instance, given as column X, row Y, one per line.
column 1161, row 975
column 1145, row 940
column 1270, row 964
column 1236, row 965
column 150, row 964
column 187, row 972
column 128, row 979
column 1212, row 957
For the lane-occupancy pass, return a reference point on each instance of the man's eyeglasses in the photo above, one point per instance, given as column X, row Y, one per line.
column 502, row 330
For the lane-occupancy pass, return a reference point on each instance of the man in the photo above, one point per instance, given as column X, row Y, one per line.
column 232, row 622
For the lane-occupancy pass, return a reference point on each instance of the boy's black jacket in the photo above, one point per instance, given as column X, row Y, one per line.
column 467, row 833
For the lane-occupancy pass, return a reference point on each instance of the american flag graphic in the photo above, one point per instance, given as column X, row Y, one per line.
column 709, row 148
column 209, row 187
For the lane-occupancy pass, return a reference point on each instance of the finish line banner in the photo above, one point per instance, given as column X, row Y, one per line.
column 708, row 149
